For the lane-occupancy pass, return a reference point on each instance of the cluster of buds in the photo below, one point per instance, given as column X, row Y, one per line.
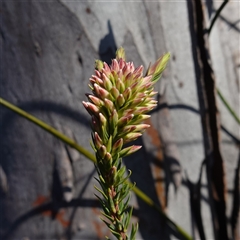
column 120, row 100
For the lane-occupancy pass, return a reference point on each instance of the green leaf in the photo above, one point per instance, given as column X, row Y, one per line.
column 102, row 184
column 125, row 206
column 109, row 144
column 103, row 203
column 111, row 204
column 108, row 216
column 121, row 172
column 124, row 179
column 133, row 232
column 103, row 194
column 124, row 192
column 128, row 217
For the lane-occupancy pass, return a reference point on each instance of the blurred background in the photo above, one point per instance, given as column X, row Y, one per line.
column 189, row 162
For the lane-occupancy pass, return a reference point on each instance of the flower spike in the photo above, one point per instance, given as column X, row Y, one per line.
column 121, row 98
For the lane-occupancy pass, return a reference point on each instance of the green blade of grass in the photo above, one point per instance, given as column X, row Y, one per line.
column 228, row 106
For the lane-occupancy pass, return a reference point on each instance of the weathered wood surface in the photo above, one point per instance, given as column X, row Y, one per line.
column 47, row 56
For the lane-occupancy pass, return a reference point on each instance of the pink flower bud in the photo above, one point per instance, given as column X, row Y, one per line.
column 109, row 105
column 95, row 124
column 141, row 127
column 153, row 93
column 129, row 150
column 138, row 71
column 127, row 93
column 140, row 118
column 147, row 79
column 115, row 66
column 141, row 110
column 129, row 128
column 125, row 120
column 121, row 63
column 100, row 92
column 117, row 146
column 106, row 82
column 103, row 120
column 106, row 69
column 131, row 137
column 108, row 156
column 136, row 102
column 91, row 108
column 97, row 80
column 98, row 74
column 95, row 100
column 128, row 80
column 132, row 67
column 126, row 69
column 97, row 140
column 102, row 151
column 157, row 68
column 113, row 120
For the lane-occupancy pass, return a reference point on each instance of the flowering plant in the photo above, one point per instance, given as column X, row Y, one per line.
column 121, row 97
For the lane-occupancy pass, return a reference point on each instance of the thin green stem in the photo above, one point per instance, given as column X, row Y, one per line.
column 91, row 157
column 228, row 106
column 216, row 15
column 49, row 129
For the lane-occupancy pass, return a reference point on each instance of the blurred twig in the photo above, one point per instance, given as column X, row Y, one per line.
column 217, row 15
column 214, row 164
column 218, row 90
column 228, row 106
column 91, row 157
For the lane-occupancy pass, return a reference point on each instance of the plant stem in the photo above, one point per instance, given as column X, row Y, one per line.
column 218, row 91
column 216, row 15
column 49, row 129
column 228, row 106
column 91, row 157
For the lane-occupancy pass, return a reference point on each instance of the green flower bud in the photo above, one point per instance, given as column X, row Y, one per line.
column 99, row 65
column 115, row 93
column 120, row 53
column 117, row 146
column 120, row 101
column 113, row 120
column 158, row 67
column 131, row 137
column 129, row 150
column 102, row 151
column 127, row 93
